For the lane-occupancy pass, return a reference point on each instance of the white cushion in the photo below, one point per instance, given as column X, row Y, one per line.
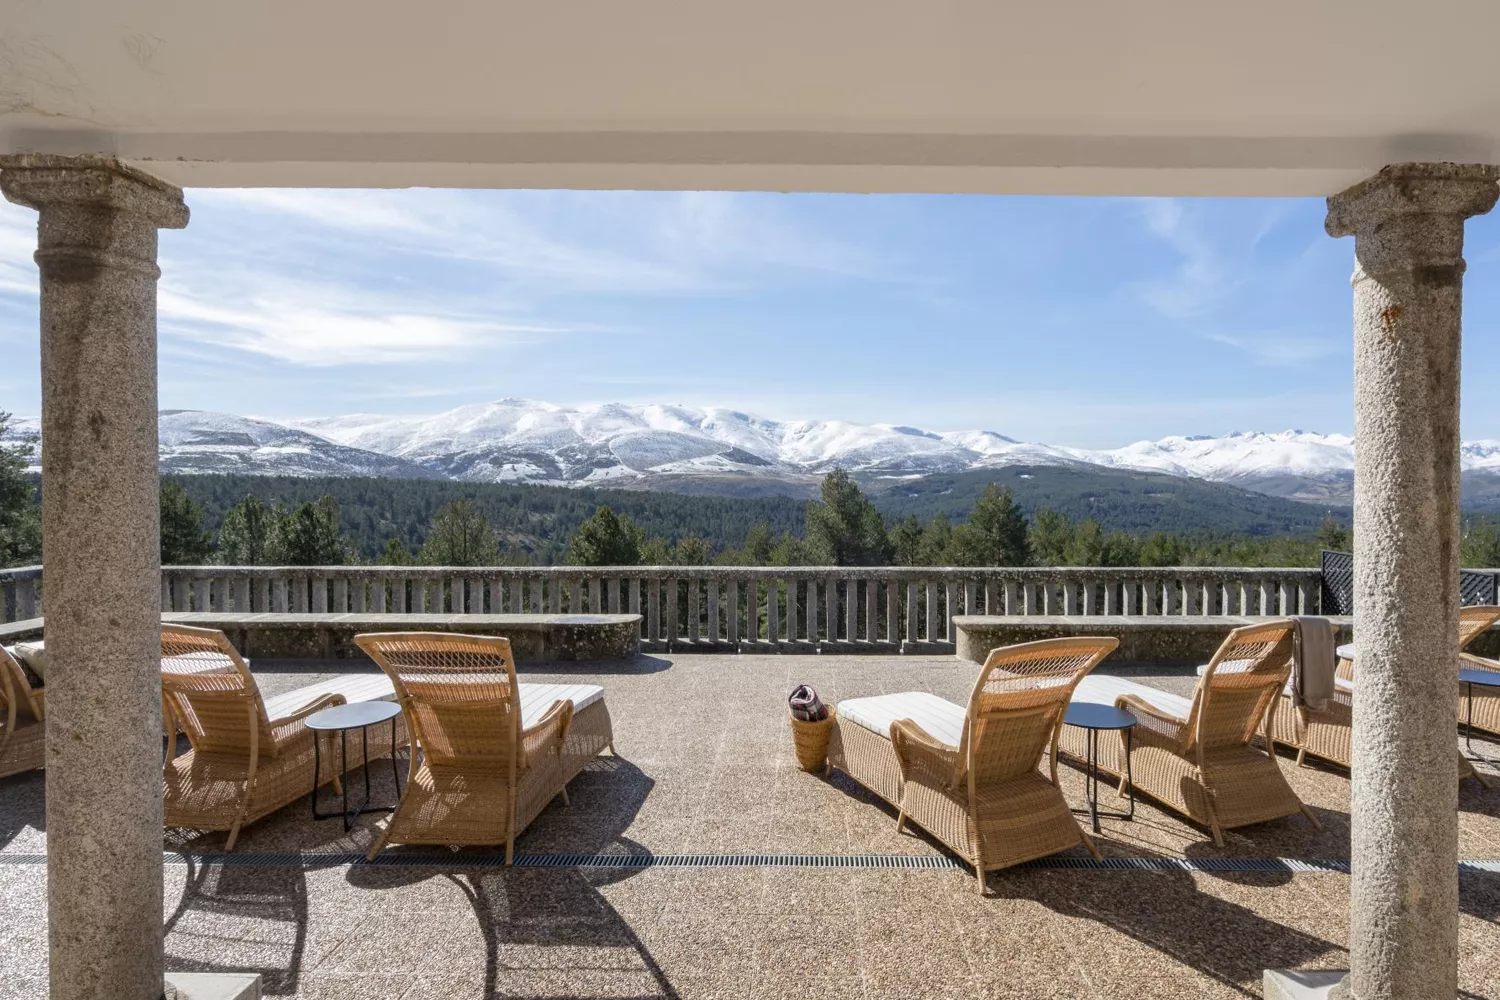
column 34, row 655
column 354, row 687
column 941, row 719
column 1102, row 689
column 1345, row 652
column 537, row 698
column 1339, row 683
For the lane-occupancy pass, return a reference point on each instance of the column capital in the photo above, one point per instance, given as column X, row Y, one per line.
column 1409, row 218
column 39, row 180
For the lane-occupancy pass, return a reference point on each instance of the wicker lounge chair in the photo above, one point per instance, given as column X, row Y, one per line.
column 969, row 775
column 1196, row 755
column 22, row 719
column 486, row 769
column 250, row 756
column 1328, row 732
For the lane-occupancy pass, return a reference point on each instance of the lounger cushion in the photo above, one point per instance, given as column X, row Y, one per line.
column 32, row 656
column 1339, row 683
column 1345, row 652
column 941, row 719
column 1102, row 689
column 535, row 698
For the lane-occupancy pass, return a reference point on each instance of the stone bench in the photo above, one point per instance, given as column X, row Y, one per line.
column 1159, row 639
column 331, row 636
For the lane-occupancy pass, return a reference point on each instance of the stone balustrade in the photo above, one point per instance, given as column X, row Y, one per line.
column 803, row 608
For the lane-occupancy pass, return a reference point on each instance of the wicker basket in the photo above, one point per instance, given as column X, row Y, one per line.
column 811, row 741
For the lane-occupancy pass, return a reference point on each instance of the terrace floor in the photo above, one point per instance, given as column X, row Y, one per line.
column 706, row 767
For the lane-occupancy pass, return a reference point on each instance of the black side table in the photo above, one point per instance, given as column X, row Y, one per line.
column 1468, row 677
column 340, row 719
column 1094, row 718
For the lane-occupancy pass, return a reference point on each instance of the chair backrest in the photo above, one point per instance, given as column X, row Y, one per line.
column 458, row 693
column 1474, row 621
column 1240, row 684
column 16, row 698
column 207, row 686
column 1019, row 700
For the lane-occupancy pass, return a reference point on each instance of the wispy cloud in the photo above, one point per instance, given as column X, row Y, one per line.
column 1200, row 280
column 1279, row 350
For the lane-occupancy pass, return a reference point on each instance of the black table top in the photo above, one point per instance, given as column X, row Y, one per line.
column 355, row 716
column 1473, row 675
column 1090, row 715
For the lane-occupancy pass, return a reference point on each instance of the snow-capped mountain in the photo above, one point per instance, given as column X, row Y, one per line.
column 711, row 449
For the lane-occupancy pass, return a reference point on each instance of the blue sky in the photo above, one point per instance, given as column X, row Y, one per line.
column 1081, row 321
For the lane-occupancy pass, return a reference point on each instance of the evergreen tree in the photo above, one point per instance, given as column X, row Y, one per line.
column 184, row 540
column 758, row 544
column 906, row 540
column 1121, row 549
column 691, row 551
column 843, row 527
column 310, row 535
column 1161, row 549
column 1049, row 536
column 937, row 548
column 995, row 533
column 790, row 551
column 248, row 535
column 606, row 539
column 1479, row 546
column 460, row 536
column 396, row 554
column 1086, row 547
column 1333, row 535
column 20, row 517
column 656, row 552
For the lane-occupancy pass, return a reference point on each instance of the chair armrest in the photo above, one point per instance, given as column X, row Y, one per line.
column 917, row 750
column 1478, row 662
column 1153, row 719
column 548, row 732
column 316, row 705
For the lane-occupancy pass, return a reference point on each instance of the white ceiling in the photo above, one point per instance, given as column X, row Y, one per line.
column 1071, row 96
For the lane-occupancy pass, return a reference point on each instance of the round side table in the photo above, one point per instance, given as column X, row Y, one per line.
column 1096, row 718
column 340, row 719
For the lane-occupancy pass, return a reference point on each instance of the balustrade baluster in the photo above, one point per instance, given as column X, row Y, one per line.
column 812, row 611
column 1012, row 598
column 872, row 616
column 831, row 607
column 713, row 609
column 732, row 599
column 653, row 608
column 613, row 584
column 791, row 611
column 913, row 612
column 773, row 610
column 892, row 612
column 671, row 596
column 752, row 612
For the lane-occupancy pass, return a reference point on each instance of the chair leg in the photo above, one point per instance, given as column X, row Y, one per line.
column 1301, row 756
column 979, row 874
column 510, row 851
column 1089, row 843
column 901, row 821
column 563, row 791
column 234, row 834
column 380, row 841
column 1311, row 818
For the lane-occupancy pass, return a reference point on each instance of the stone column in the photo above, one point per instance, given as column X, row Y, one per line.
column 97, row 255
column 1408, row 225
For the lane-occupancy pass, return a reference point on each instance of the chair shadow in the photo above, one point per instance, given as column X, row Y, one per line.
column 523, row 908
column 23, row 805
column 640, row 663
column 269, row 903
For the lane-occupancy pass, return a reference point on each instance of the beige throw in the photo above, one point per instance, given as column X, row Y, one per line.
column 1313, row 661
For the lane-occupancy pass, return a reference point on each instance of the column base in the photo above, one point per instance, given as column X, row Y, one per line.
column 213, row 986
column 1304, row 984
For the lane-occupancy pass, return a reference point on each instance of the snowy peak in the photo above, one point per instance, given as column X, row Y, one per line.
column 708, row 449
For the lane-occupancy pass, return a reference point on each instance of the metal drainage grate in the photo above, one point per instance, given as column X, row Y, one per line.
column 453, row 859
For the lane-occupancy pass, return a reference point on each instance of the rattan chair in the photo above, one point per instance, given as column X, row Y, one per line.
column 1196, row 756
column 249, row 756
column 23, row 743
column 483, row 775
column 1328, row 733
column 971, row 776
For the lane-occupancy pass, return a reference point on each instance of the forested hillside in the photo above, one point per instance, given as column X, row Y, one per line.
column 532, row 523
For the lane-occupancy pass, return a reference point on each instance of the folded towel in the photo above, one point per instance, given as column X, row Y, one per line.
column 806, row 705
column 1313, row 661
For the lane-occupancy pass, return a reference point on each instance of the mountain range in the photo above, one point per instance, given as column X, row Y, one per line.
column 725, row 451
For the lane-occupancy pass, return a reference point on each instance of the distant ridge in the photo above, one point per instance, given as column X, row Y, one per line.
column 718, row 450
